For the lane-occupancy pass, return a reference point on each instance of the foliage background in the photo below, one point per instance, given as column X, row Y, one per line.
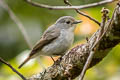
column 14, row 49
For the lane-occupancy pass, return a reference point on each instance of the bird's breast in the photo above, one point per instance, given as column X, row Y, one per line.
column 60, row 45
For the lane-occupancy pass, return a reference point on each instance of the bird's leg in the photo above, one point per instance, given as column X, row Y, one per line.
column 52, row 59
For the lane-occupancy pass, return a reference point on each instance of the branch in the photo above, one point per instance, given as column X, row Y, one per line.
column 17, row 21
column 71, row 64
column 81, row 13
column 13, row 69
column 67, row 7
column 104, row 29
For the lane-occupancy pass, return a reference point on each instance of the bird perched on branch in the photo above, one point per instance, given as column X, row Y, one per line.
column 56, row 40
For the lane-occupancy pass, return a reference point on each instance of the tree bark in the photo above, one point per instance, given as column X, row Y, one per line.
column 71, row 64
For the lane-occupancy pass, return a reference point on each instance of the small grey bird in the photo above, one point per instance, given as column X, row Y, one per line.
column 56, row 40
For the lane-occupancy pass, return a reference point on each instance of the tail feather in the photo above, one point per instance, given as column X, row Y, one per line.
column 25, row 61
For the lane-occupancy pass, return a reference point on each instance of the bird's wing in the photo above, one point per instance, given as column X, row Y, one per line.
column 49, row 35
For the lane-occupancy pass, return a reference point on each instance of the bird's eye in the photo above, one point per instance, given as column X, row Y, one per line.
column 68, row 22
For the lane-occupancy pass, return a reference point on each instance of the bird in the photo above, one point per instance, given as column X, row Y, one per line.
column 56, row 40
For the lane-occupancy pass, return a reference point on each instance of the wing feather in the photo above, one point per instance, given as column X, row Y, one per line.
column 51, row 34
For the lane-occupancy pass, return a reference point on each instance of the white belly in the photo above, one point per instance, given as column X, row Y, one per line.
column 59, row 45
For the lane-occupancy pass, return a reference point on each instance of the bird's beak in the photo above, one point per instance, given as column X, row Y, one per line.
column 77, row 21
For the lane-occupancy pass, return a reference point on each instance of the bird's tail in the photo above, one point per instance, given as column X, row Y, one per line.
column 25, row 61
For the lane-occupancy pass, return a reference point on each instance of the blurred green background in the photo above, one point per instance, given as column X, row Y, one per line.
column 14, row 49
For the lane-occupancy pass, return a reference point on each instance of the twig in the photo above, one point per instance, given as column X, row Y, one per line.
column 13, row 69
column 78, row 11
column 17, row 21
column 105, row 16
column 92, row 53
column 68, row 7
column 88, row 17
column 89, row 59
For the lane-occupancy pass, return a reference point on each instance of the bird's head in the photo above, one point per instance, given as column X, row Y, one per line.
column 67, row 22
